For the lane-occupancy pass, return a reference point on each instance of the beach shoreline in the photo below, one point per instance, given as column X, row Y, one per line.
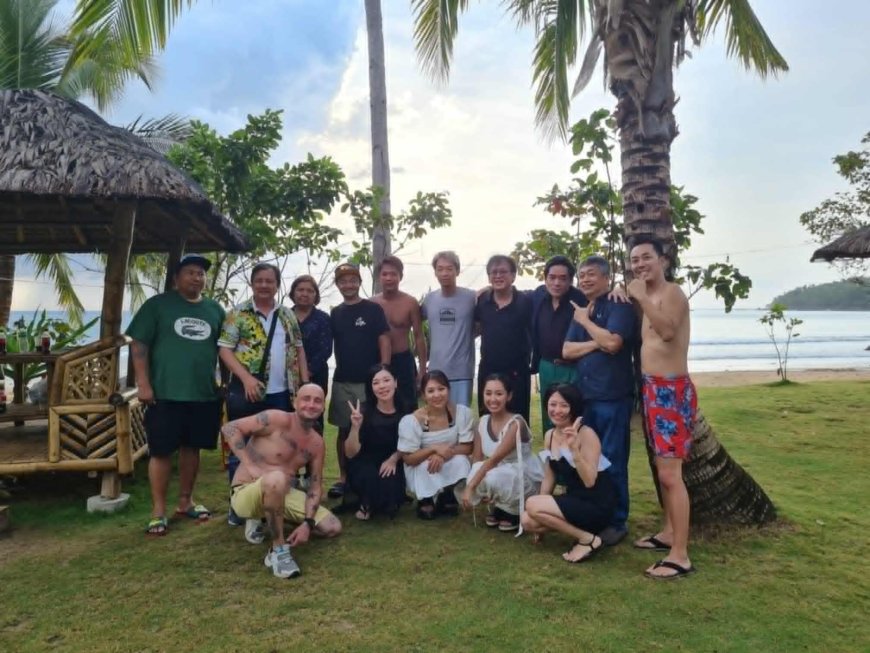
column 733, row 378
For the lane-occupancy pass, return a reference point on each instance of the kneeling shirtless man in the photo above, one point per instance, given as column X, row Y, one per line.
column 280, row 443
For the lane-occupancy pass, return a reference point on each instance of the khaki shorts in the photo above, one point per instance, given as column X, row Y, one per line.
column 339, row 411
column 247, row 501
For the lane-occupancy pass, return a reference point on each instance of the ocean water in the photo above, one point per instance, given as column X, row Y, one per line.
column 738, row 341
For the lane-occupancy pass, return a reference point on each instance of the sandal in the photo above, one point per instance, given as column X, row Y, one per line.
column 492, row 518
column 199, row 513
column 426, row 509
column 651, row 543
column 336, row 491
column 363, row 514
column 509, row 523
column 586, row 556
column 157, row 527
column 679, row 570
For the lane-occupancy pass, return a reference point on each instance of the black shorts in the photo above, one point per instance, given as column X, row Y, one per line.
column 173, row 424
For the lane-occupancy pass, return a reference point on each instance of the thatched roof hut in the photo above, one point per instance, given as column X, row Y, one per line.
column 70, row 182
column 854, row 244
column 64, row 171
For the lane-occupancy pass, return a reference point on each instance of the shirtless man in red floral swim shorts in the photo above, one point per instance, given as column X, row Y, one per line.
column 669, row 399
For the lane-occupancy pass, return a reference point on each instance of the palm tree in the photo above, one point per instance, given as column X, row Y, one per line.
column 107, row 44
column 642, row 42
column 381, row 246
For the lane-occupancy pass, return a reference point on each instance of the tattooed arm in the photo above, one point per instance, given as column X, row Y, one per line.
column 142, row 370
column 314, row 460
column 237, row 432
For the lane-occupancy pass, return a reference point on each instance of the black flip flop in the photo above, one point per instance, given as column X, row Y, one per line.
column 657, row 544
column 591, row 552
column 679, row 569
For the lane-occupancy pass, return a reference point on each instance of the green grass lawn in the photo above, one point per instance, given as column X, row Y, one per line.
column 76, row 582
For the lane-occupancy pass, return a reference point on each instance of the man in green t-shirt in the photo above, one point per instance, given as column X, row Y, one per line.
column 174, row 354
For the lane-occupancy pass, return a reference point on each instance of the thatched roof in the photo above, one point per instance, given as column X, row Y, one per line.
column 855, row 244
column 64, row 173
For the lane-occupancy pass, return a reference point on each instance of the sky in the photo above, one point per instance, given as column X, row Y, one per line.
column 756, row 153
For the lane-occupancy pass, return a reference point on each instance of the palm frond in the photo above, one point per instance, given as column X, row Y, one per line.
column 436, row 23
column 745, row 37
column 56, row 267
column 162, row 133
column 563, row 25
column 32, row 51
column 143, row 26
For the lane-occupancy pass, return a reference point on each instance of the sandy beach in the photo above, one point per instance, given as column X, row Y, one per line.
column 750, row 377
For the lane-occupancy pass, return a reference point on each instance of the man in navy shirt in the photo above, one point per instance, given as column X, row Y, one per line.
column 600, row 341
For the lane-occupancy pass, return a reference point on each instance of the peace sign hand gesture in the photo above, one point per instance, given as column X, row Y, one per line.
column 356, row 417
column 571, row 433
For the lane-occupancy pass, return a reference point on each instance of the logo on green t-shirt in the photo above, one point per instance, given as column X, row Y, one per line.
column 192, row 328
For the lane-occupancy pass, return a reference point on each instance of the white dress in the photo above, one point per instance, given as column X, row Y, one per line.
column 516, row 477
column 420, row 481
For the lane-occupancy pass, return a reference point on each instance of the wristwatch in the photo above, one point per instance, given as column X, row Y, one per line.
column 310, row 522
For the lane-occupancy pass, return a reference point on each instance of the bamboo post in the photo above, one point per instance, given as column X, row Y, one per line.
column 110, row 487
column 124, row 446
column 53, row 436
column 116, row 268
column 172, row 260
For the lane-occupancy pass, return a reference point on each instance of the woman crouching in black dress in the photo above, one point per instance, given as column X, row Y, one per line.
column 572, row 458
column 374, row 470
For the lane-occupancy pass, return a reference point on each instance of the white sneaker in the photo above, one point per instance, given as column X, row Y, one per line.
column 255, row 531
column 282, row 563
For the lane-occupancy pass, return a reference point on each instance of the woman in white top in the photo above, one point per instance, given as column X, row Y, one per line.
column 504, row 472
column 574, row 460
column 434, row 442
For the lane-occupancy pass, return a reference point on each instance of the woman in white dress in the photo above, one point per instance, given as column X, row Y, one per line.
column 435, row 442
column 504, row 472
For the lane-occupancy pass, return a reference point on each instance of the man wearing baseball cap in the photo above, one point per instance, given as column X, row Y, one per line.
column 174, row 352
column 362, row 339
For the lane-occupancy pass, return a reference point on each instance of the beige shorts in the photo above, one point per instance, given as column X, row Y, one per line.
column 339, row 411
column 247, row 501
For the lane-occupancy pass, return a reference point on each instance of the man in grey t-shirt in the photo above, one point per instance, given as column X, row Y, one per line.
column 450, row 312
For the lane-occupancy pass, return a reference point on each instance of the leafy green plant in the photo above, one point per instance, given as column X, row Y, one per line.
column 776, row 316
column 594, row 208
column 25, row 335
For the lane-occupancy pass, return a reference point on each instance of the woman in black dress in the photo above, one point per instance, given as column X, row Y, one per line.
column 573, row 459
column 374, row 468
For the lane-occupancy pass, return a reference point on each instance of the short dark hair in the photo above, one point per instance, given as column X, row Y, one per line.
column 393, row 261
column 434, row 375
column 570, row 394
column 645, row 239
column 504, row 379
column 304, row 278
column 262, row 265
column 449, row 256
column 501, row 258
column 598, row 261
column 560, row 260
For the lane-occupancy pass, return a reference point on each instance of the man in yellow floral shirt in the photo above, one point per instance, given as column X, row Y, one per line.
column 242, row 346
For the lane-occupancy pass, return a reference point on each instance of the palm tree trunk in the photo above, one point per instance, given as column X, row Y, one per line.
column 7, row 283
column 380, row 149
column 719, row 489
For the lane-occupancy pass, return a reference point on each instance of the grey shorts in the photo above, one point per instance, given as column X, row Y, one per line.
column 339, row 411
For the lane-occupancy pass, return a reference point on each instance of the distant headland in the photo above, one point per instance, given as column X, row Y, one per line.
column 834, row 296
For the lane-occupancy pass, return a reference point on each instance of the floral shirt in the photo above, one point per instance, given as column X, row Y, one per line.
column 243, row 332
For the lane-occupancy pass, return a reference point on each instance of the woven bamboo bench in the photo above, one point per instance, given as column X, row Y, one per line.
column 93, row 425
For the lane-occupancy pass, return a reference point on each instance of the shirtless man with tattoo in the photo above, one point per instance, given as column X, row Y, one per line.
column 403, row 315
column 280, row 443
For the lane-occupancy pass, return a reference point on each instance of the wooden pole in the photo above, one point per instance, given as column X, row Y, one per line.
column 172, row 261
column 116, row 269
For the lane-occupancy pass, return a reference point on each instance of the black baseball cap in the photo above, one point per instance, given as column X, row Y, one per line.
column 193, row 259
